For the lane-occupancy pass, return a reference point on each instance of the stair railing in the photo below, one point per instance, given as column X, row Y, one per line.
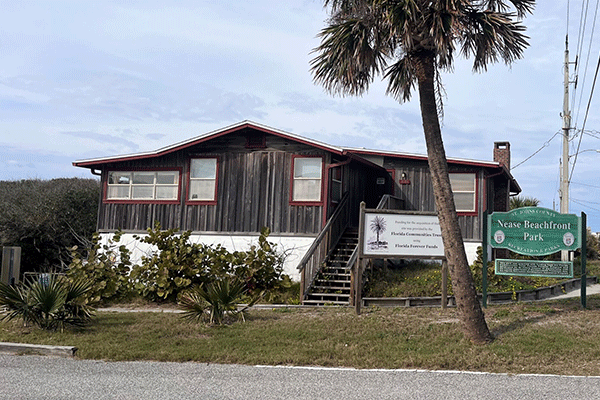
column 310, row 265
column 389, row 202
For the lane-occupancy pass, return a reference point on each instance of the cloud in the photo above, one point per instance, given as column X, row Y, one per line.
column 104, row 140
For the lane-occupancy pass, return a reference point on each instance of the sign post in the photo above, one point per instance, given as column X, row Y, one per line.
column 399, row 234
column 583, row 289
column 484, row 260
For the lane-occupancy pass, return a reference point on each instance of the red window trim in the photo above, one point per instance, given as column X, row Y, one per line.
column 392, row 173
column 310, row 202
column 476, row 205
column 134, row 201
column 191, row 202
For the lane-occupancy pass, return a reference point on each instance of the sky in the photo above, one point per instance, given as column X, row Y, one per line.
column 87, row 79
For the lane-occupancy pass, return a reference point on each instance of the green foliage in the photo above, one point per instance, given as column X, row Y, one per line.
column 47, row 217
column 213, row 301
column 506, row 283
column 106, row 266
column 520, row 201
column 51, row 305
column 177, row 265
column 180, row 265
column 416, row 278
column 412, row 279
column 261, row 267
column 592, row 246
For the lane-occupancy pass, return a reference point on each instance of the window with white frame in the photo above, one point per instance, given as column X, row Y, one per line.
column 306, row 185
column 203, row 179
column 463, row 188
column 143, row 185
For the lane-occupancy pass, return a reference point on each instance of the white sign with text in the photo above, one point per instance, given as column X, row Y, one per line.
column 402, row 235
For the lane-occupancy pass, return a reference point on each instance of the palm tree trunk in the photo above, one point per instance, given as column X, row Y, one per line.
column 469, row 309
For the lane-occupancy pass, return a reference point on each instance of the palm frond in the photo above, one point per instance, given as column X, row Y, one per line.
column 193, row 305
column 401, row 79
column 523, row 7
column 491, row 37
column 353, row 50
column 14, row 303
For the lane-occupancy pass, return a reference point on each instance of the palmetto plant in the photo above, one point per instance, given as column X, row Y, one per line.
column 51, row 305
column 213, row 301
column 409, row 43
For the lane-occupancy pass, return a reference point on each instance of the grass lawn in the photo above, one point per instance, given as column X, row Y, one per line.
column 553, row 337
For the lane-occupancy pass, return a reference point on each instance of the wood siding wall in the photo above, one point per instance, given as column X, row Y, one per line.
column 253, row 191
column 418, row 195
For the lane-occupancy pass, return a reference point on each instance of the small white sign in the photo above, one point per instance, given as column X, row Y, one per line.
column 402, row 235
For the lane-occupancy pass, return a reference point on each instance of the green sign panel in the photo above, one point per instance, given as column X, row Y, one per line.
column 550, row 269
column 534, row 231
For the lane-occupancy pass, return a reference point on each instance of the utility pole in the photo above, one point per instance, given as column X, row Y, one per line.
column 564, row 175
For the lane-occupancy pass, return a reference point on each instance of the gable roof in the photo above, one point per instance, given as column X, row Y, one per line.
column 95, row 162
column 354, row 153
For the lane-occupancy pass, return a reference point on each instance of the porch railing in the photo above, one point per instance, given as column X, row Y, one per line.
column 310, row 264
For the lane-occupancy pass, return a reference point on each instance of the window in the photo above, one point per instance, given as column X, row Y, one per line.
column 463, row 187
column 306, row 181
column 203, row 179
column 336, row 184
column 143, row 185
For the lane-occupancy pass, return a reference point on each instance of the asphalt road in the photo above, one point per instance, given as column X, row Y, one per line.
column 38, row 377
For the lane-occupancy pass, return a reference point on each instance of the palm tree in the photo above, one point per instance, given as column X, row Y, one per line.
column 378, row 226
column 409, row 42
column 519, row 202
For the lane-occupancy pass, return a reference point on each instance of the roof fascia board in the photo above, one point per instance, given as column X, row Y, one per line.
column 421, row 157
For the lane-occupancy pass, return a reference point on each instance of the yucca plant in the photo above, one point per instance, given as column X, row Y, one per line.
column 213, row 301
column 52, row 305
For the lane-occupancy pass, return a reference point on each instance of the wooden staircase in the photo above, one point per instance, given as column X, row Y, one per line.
column 332, row 284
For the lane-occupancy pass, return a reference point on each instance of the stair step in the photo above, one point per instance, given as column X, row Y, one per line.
column 332, row 286
column 326, row 287
column 324, row 303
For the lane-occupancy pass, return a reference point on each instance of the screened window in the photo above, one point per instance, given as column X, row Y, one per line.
column 463, row 187
column 143, row 185
column 307, row 179
column 203, row 179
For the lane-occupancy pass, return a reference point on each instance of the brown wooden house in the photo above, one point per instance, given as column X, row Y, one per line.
column 228, row 184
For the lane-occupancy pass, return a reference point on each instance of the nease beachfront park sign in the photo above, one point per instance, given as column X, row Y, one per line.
column 534, row 231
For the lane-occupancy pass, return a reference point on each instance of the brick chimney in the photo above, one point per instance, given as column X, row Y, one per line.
column 502, row 153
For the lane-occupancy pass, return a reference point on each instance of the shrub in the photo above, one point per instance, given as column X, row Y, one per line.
column 46, row 218
column 106, row 266
column 213, row 301
column 51, row 305
column 179, row 265
column 261, row 267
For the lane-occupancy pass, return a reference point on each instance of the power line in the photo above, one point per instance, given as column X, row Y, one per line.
column 589, row 52
column 586, row 201
column 586, row 114
column 580, row 36
column 585, row 205
column 546, row 144
column 585, row 184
